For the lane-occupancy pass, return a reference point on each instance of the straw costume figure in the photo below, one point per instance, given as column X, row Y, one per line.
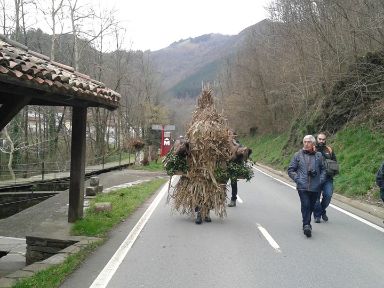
column 199, row 191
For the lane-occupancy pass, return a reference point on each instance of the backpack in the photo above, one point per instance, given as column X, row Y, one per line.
column 331, row 166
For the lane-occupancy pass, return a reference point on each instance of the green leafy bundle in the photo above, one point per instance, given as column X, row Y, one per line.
column 233, row 171
column 174, row 164
column 242, row 170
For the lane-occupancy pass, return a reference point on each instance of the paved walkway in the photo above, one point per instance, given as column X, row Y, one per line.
column 50, row 217
column 66, row 174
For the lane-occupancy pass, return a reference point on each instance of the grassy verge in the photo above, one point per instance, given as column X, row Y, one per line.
column 268, row 149
column 124, row 202
column 152, row 166
column 55, row 275
column 358, row 151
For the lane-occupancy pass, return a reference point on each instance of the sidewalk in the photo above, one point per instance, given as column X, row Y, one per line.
column 89, row 170
column 50, row 218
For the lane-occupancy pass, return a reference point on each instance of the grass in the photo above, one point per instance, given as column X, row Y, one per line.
column 124, row 202
column 268, row 149
column 358, row 151
column 152, row 166
column 55, row 275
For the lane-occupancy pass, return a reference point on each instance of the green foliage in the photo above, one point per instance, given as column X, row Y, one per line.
column 175, row 163
column 123, row 201
column 221, row 174
column 241, row 170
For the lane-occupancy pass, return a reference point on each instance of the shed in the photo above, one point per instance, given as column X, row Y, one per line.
column 30, row 78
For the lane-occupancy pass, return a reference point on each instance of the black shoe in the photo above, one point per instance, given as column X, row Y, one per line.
column 232, row 203
column 307, row 230
column 325, row 217
column 317, row 219
column 198, row 218
column 207, row 219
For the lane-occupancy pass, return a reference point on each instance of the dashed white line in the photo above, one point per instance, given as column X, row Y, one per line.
column 239, row 199
column 113, row 264
column 269, row 238
column 332, row 205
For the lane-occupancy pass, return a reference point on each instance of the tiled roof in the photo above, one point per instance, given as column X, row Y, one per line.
column 31, row 69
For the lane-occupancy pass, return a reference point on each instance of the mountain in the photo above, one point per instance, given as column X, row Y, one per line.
column 185, row 64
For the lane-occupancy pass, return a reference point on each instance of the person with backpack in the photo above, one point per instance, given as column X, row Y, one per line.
column 308, row 172
column 380, row 180
column 327, row 187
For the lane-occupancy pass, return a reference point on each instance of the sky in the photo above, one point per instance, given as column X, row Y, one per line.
column 155, row 24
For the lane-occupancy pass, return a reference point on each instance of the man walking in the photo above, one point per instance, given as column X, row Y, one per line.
column 327, row 187
column 307, row 170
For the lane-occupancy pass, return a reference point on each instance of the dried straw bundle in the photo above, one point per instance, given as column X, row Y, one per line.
column 209, row 149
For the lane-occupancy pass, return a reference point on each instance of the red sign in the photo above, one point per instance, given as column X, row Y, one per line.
column 166, row 142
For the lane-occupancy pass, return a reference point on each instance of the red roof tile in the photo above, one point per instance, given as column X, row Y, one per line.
column 29, row 66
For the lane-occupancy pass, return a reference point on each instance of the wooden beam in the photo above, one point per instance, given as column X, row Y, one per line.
column 77, row 176
column 9, row 110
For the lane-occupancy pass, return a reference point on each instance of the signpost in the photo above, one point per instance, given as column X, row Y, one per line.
column 166, row 137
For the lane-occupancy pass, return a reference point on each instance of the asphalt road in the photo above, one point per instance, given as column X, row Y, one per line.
column 259, row 244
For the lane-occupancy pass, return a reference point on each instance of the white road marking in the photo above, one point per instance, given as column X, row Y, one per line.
column 331, row 205
column 11, row 238
column 358, row 218
column 239, row 199
column 269, row 238
column 281, row 181
column 113, row 264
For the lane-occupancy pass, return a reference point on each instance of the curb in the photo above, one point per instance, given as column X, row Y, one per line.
column 28, row 271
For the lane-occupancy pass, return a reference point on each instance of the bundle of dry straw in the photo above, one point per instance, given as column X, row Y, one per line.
column 209, row 150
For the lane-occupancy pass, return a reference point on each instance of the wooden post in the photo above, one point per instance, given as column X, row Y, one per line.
column 77, row 176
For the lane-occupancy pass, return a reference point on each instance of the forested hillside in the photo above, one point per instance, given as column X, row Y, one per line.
column 315, row 65
column 90, row 41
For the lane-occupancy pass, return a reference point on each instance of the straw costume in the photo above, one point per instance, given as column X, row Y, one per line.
column 208, row 151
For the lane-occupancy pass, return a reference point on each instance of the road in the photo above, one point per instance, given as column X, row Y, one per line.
column 259, row 244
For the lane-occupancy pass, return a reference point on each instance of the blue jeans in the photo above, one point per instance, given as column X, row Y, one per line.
column 327, row 191
column 308, row 200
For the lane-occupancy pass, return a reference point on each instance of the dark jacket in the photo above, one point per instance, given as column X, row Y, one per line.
column 327, row 153
column 303, row 162
column 380, row 176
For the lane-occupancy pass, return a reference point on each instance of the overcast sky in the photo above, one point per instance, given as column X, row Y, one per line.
column 155, row 24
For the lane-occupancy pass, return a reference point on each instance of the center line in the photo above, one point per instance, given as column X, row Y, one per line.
column 269, row 238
